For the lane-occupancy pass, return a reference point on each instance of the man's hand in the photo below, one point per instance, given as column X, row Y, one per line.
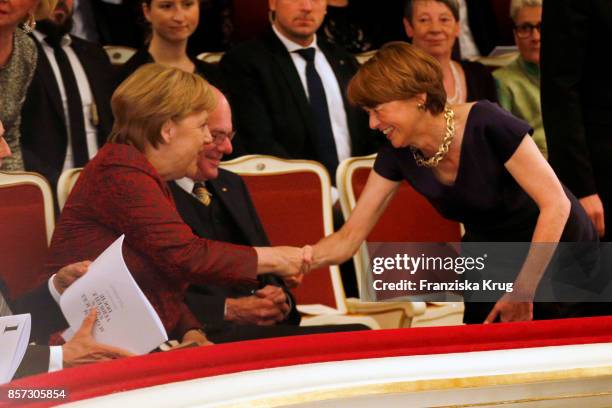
column 594, row 208
column 274, row 293
column 266, row 307
column 293, row 281
column 83, row 349
column 68, row 274
column 197, row 337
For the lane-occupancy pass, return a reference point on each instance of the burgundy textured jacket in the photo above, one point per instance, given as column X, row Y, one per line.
column 119, row 192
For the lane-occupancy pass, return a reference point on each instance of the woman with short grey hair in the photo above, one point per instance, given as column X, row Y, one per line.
column 433, row 26
column 518, row 84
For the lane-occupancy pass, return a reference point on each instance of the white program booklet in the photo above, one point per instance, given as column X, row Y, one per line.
column 126, row 318
column 14, row 338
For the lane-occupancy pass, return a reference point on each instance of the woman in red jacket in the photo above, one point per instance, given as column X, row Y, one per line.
column 161, row 116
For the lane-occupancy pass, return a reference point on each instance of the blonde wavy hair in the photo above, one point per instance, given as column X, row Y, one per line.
column 150, row 97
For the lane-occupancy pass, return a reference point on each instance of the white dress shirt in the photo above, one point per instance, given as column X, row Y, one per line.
column 84, row 91
column 186, row 184
column 333, row 93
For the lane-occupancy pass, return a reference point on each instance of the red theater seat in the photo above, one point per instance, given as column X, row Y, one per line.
column 26, row 225
column 292, row 198
column 408, row 218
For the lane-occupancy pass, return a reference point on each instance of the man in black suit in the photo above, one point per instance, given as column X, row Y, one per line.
column 218, row 206
column 577, row 102
column 288, row 90
column 47, row 318
column 66, row 114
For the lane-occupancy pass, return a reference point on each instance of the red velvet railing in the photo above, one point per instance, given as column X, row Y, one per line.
column 162, row 368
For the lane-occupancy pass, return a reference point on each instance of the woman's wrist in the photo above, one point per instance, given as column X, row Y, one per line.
column 266, row 260
column 523, row 291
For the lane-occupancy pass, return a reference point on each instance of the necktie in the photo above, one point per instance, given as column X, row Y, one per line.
column 4, row 307
column 75, row 106
column 202, row 193
column 325, row 146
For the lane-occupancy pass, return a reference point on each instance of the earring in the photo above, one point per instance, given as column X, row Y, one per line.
column 30, row 25
column 421, row 107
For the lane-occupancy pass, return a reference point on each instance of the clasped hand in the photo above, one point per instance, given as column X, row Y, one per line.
column 285, row 261
column 267, row 306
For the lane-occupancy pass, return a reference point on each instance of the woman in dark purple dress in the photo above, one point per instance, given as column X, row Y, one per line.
column 474, row 162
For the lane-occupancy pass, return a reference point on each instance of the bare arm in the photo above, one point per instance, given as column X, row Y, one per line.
column 341, row 245
column 533, row 173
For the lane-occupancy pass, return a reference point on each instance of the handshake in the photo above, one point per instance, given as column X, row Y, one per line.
column 289, row 263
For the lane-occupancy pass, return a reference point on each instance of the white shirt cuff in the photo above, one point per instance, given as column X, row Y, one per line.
column 54, row 293
column 56, row 357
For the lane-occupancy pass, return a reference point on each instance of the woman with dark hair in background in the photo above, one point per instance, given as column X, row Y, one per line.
column 172, row 22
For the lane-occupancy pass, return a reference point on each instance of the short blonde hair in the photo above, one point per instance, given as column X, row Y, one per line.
column 398, row 71
column 150, row 97
column 44, row 9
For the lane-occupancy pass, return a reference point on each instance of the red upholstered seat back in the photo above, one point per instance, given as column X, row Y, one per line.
column 23, row 237
column 290, row 208
column 409, row 217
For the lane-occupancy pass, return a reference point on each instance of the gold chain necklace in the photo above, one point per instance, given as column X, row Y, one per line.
column 449, row 134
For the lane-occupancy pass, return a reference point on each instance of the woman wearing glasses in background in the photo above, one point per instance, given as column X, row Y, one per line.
column 518, row 84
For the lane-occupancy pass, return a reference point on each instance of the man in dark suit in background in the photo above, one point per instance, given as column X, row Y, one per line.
column 66, row 115
column 288, row 90
column 218, row 206
column 577, row 102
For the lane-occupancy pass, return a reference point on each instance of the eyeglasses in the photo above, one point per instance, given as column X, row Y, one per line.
column 219, row 137
column 526, row 29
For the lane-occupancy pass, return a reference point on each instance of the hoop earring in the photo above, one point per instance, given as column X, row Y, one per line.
column 30, row 25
